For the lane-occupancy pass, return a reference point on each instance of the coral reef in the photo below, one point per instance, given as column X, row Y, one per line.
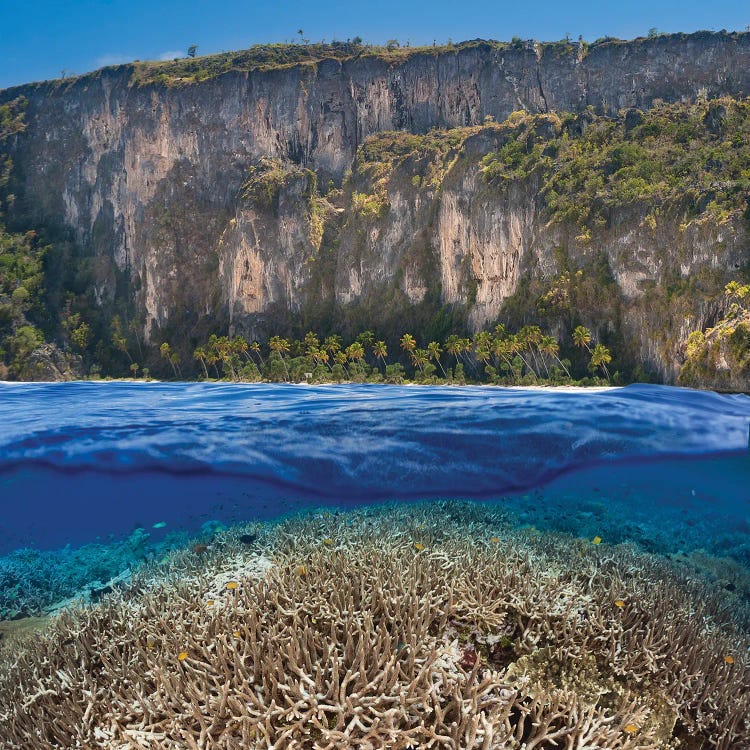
column 430, row 626
column 34, row 582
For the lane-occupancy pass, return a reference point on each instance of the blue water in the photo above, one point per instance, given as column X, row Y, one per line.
column 656, row 465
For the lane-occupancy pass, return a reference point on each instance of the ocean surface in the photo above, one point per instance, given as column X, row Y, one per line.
column 666, row 468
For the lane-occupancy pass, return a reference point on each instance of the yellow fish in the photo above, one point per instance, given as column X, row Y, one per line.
column 233, row 585
column 619, row 603
column 182, row 655
column 328, row 542
column 418, row 546
column 631, row 728
column 302, row 570
column 236, row 634
column 596, row 540
column 495, row 539
column 729, row 659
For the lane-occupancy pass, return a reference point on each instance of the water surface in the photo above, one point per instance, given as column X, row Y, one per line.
column 81, row 461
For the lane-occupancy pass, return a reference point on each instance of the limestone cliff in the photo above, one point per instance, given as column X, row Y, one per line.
column 249, row 198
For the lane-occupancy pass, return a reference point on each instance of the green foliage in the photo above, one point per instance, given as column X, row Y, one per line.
column 690, row 158
column 720, row 355
column 265, row 181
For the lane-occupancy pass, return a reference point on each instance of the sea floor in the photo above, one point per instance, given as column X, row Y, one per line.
column 533, row 621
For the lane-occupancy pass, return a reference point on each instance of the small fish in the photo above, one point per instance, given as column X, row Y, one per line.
column 729, row 659
column 160, row 525
column 199, row 549
column 248, row 538
column 495, row 539
column 328, row 542
column 182, row 655
column 418, row 546
column 210, row 602
column 236, row 633
column 630, row 728
column 619, row 603
column 232, row 585
column 302, row 570
column 596, row 540
column 150, row 644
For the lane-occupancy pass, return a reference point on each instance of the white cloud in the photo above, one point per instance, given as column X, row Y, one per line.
column 112, row 58
column 171, row 54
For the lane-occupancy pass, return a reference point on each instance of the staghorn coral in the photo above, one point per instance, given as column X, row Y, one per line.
column 352, row 631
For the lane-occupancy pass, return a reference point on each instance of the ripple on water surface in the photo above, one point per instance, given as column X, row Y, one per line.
column 84, row 459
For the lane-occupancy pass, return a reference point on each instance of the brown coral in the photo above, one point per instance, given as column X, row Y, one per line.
column 369, row 648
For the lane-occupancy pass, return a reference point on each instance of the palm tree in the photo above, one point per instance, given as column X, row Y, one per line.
column 280, row 346
column 340, row 359
column 502, row 346
column 434, row 350
column 239, row 346
column 600, row 357
column 454, row 346
column 408, row 343
column 171, row 356
column 532, row 335
column 380, row 350
column 355, row 352
column 200, row 355
column 212, row 353
column 419, row 358
column 582, row 337
column 311, row 343
column 548, row 345
column 483, row 347
column 254, row 347
column 332, row 344
column 518, row 347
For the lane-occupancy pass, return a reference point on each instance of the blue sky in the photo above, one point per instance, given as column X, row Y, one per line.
column 40, row 38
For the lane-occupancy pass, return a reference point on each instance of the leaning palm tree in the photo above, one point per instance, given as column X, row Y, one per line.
column 518, row 345
column 454, row 346
column 380, row 351
column 419, row 358
column 434, row 350
column 254, row 347
column 582, row 337
column 280, row 346
column 171, row 356
column 550, row 347
column 502, row 346
column 200, row 355
column 600, row 357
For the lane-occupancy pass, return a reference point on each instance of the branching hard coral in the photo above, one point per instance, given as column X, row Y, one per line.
column 392, row 627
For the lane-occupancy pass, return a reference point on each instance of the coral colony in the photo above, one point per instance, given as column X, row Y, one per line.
column 388, row 628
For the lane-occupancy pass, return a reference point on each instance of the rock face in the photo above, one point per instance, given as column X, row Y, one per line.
column 149, row 182
column 48, row 364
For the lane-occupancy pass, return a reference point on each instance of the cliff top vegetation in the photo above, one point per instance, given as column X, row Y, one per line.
column 272, row 56
column 282, row 55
